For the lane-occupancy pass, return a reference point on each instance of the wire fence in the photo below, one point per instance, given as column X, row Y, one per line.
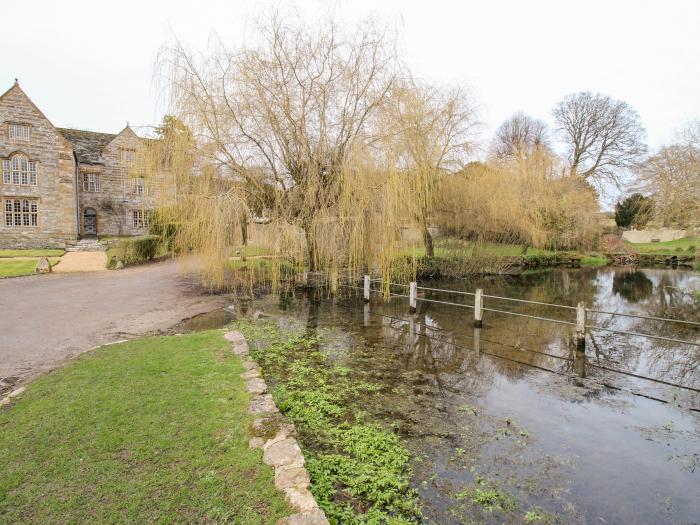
column 579, row 323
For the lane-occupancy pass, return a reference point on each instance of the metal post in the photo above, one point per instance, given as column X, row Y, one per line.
column 366, row 288
column 580, row 359
column 413, row 292
column 478, row 308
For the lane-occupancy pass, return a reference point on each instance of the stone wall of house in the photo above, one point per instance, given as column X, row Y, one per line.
column 117, row 198
column 55, row 190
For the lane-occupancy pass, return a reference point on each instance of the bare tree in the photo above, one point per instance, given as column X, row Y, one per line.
column 604, row 137
column 672, row 177
column 518, row 137
column 429, row 130
column 296, row 105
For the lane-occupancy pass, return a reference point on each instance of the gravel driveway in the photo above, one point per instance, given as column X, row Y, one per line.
column 47, row 319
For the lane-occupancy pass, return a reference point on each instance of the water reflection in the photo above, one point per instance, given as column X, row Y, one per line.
column 632, row 285
column 485, row 405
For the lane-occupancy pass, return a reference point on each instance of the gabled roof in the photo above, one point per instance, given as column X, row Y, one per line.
column 88, row 145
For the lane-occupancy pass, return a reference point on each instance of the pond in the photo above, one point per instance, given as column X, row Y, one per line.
column 501, row 431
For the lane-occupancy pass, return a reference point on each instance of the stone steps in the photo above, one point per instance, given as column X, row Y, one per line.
column 86, row 245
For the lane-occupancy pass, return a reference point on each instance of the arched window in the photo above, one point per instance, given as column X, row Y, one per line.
column 18, row 169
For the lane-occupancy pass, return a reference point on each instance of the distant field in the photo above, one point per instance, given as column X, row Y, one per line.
column 665, row 248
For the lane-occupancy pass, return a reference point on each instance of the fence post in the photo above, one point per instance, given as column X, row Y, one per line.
column 365, row 316
column 477, row 340
column 334, row 282
column 478, row 308
column 412, row 293
column 366, row 286
column 580, row 359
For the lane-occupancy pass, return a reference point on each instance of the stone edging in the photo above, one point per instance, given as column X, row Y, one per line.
column 8, row 398
column 275, row 435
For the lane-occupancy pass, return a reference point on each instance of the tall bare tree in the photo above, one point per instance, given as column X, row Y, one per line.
column 518, row 137
column 604, row 137
column 295, row 105
column 429, row 130
column 672, row 177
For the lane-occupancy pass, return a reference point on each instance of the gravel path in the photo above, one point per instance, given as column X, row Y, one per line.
column 82, row 262
column 47, row 319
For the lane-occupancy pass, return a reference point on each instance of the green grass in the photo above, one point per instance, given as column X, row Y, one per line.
column 250, row 251
column 19, row 267
column 665, row 248
column 594, row 260
column 148, row 431
column 31, row 253
column 451, row 247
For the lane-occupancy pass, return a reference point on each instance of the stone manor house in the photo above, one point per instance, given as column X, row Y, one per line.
column 60, row 185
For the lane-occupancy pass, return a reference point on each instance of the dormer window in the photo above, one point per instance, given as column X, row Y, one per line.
column 127, row 156
column 19, row 170
column 19, row 132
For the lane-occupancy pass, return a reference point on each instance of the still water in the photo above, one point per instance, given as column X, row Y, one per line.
column 507, row 413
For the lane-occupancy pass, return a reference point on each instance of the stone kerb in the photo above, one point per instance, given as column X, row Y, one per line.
column 276, row 436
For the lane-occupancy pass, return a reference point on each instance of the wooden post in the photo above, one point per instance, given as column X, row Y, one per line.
column 365, row 316
column 477, row 340
column 478, row 308
column 334, row 282
column 366, row 288
column 580, row 359
column 412, row 294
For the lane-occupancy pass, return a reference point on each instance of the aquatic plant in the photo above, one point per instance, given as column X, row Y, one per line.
column 360, row 472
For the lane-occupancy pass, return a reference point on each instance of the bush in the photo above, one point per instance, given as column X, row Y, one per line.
column 691, row 248
column 138, row 249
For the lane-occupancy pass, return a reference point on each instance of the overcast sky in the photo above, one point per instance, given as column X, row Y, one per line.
column 90, row 64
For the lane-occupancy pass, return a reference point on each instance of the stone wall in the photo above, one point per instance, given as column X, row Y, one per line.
column 663, row 235
column 116, row 200
column 55, row 190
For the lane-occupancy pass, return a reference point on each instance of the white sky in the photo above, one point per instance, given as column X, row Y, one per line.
column 89, row 64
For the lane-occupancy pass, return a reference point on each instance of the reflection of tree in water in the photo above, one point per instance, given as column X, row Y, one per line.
column 634, row 285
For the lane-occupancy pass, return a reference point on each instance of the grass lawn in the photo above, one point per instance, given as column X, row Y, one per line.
column 31, row 253
column 446, row 247
column 250, row 251
column 148, row 431
column 665, row 248
column 19, row 267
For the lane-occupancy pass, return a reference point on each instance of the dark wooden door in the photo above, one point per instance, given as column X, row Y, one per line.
column 89, row 223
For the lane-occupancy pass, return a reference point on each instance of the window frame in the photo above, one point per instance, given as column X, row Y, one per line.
column 19, row 170
column 20, row 212
column 13, row 127
column 139, row 218
column 91, row 186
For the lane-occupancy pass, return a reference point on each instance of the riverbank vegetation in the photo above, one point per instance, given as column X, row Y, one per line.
column 359, row 470
column 152, row 430
column 319, row 142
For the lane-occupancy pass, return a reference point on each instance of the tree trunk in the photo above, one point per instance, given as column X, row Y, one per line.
column 244, row 236
column 311, row 247
column 428, row 241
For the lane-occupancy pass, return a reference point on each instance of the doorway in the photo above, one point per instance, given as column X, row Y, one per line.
column 89, row 222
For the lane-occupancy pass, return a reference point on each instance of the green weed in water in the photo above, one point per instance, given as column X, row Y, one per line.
column 359, row 470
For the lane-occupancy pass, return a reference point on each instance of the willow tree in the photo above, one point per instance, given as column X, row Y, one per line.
column 285, row 114
column 428, row 132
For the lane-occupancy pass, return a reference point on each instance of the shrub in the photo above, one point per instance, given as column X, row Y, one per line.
column 691, row 248
column 138, row 249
